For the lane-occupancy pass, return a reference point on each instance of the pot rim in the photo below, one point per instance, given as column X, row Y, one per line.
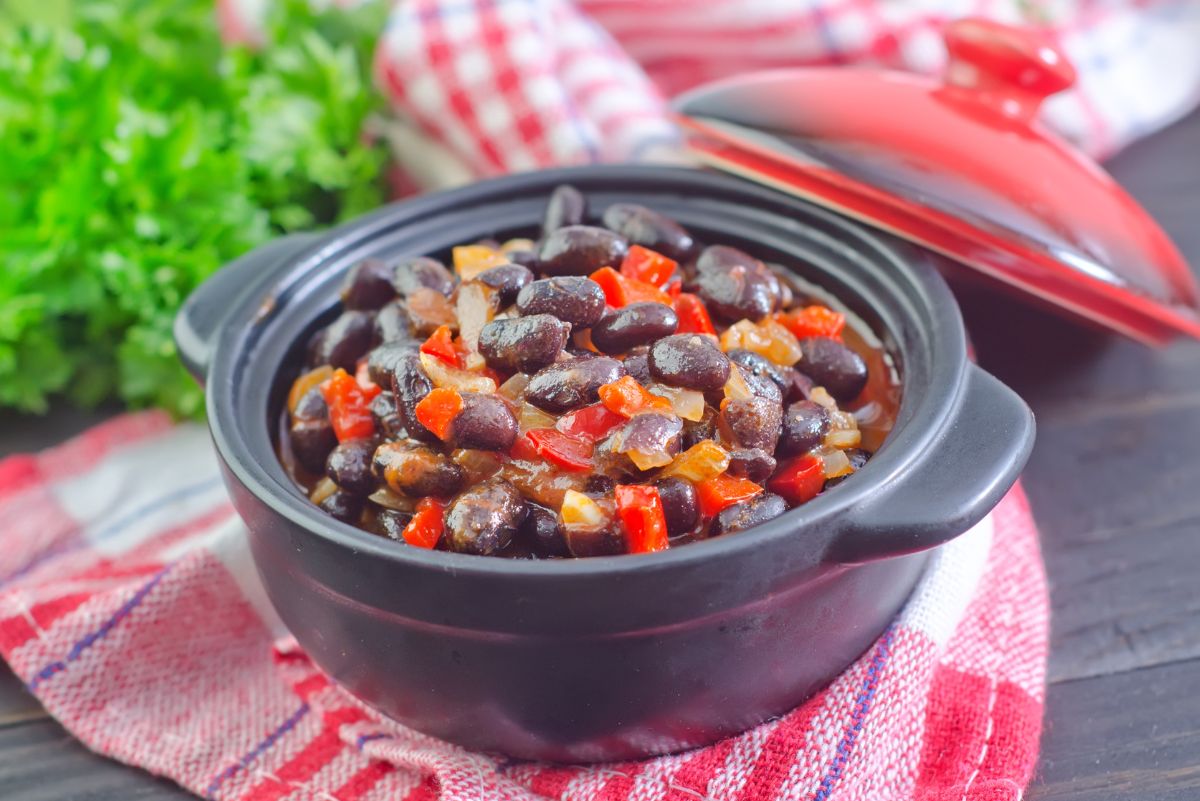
column 917, row 426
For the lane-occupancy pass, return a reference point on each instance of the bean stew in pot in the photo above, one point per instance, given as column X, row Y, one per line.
column 610, row 388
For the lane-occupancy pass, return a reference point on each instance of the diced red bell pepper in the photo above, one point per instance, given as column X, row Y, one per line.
column 425, row 528
column 641, row 511
column 621, row 291
column 349, row 405
column 721, row 492
column 592, row 423
column 627, row 397
column 693, row 315
column 441, row 345
column 798, row 480
column 648, row 266
column 673, row 288
column 437, row 410
column 569, row 453
column 814, row 321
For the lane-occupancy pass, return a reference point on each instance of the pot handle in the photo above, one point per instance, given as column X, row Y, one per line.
column 200, row 318
column 959, row 478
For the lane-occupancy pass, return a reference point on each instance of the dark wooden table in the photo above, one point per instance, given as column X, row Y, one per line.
column 1115, row 486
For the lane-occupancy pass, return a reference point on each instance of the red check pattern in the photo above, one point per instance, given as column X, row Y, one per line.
column 129, row 606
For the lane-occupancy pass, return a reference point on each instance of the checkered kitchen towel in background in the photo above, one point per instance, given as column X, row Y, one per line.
column 128, row 603
column 129, row 606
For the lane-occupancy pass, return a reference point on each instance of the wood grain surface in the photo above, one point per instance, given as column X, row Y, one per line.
column 1115, row 486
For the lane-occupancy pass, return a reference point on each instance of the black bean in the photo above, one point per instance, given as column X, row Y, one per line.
column 689, row 360
column 369, row 285
column 805, row 425
column 392, row 323
column 748, row 513
column 571, row 384
column 641, row 226
column 311, row 441
column 423, row 271
column 734, row 285
column 541, row 532
column 632, row 325
column 680, row 506
column 523, row 258
column 485, row 423
column 700, row 430
column 523, row 344
column 763, row 387
column 484, row 518
column 572, row 299
column 602, row 541
column 417, row 471
column 753, row 423
column 387, row 417
column 311, row 406
column 649, row 433
column 800, row 386
column 858, row 458
column 393, row 523
column 567, row 206
column 349, row 466
column 507, row 280
column 384, row 361
column 401, row 366
column 754, row 464
column 638, row 366
column 832, row 365
column 344, row 340
column 579, row 250
column 343, row 506
column 754, row 364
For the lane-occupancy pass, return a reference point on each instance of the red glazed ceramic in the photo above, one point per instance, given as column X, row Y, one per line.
column 960, row 166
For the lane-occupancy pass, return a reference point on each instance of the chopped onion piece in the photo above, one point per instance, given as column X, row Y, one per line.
column 687, row 403
column 736, row 387
column 304, row 383
column 530, row 417
column 471, row 260
column 392, row 500
column 514, row 245
column 443, row 375
column 580, row 510
column 842, row 421
column 819, row 395
column 514, row 387
column 479, row 465
column 834, row 462
column 768, row 339
column 843, row 439
column 700, row 462
column 323, row 489
column 476, row 306
column 648, row 461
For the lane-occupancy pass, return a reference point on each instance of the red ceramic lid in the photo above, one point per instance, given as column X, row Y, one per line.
column 959, row 166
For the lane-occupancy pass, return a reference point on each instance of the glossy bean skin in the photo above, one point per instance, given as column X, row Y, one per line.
column 695, row 431
column 344, row 341
column 799, row 387
column 567, row 206
column 633, row 325
column 369, row 285
column 692, row 361
column 642, row 226
column 542, row 533
column 573, row 299
column 342, row 505
column 753, row 364
column 485, row 423
column 398, row 367
column 422, row 271
column 749, row 513
column 680, row 505
column 650, row 432
column 638, row 366
column 310, row 433
column 393, row 523
column 735, row 285
column 350, row 466
column 523, row 344
column 603, row 541
column 763, row 387
column 753, row 423
column 392, row 323
column 570, row 384
column 858, row 459
column 388, row 421
column 834, row 366
column 417, row 471
column 484, row 518
column 805, row 425
column 580, row 250
column 507, row 279
column 754, row 464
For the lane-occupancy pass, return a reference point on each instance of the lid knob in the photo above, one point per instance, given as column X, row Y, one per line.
column 1008, row 67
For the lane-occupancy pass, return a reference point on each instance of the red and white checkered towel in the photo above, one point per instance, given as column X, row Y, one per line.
column 130, row 607
column 500, row 85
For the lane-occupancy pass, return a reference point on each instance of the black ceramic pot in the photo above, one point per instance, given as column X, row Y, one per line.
column 624, row 656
